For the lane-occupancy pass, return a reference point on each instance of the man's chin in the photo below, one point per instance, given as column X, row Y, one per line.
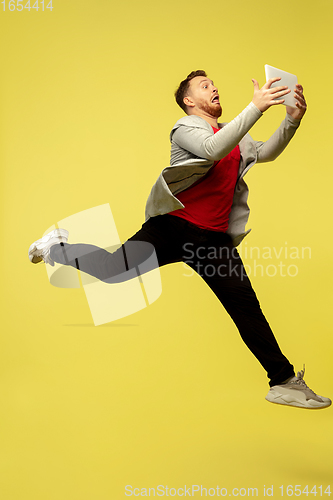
column 216, row 111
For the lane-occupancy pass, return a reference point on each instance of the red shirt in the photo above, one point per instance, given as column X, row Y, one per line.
column 208, row 201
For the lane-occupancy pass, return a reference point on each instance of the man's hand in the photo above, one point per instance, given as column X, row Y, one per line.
column 298, row 112
column 264, row 98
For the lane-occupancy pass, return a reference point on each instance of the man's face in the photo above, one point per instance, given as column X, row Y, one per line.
column 203, row 95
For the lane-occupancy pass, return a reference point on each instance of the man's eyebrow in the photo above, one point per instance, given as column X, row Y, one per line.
column 207, row 80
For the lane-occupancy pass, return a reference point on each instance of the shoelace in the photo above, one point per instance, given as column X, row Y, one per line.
column 300, row 377
column 300, row 380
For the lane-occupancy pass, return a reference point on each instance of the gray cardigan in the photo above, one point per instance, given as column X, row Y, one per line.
column 195, row 148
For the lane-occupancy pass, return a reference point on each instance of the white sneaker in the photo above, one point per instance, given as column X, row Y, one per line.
column 295, row 392
column 40, row 249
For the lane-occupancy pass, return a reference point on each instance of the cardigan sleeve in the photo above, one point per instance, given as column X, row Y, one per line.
column 273, row 147
column 202, row 143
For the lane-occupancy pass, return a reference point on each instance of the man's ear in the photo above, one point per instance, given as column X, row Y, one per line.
column 188, row 102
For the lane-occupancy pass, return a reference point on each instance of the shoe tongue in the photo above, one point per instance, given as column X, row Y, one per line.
column 291, row 379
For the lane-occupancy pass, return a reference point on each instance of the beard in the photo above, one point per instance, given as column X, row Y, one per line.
column 214, row 110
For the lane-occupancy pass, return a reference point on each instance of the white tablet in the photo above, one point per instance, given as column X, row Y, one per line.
column 286, row 79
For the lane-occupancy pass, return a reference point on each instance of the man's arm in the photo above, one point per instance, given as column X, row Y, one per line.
column 273, row 147
column 215, row 147
column 203, row 144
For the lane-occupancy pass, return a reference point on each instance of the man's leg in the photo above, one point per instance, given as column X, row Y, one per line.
column 222, row 269
column 159, row 234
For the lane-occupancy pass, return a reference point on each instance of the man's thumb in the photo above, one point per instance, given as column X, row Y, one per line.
column 255, row 84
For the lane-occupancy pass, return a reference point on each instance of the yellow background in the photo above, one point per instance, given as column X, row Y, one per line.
column 170, row 395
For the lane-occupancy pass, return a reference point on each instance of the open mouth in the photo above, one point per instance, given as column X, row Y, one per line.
column 216, row 99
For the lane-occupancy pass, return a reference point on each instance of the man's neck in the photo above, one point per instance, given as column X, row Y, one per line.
column 209, row 118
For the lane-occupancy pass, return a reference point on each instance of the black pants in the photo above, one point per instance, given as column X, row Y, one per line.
column 211, row 254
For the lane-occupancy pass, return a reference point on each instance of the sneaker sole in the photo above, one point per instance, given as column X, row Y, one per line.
column 288, row 400
column 53, row 236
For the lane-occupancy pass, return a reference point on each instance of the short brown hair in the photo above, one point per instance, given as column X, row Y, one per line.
column 182, row 90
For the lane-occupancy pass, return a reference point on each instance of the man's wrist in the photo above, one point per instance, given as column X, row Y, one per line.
column 293, row 119
column 256, row 108
column 293, row 122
